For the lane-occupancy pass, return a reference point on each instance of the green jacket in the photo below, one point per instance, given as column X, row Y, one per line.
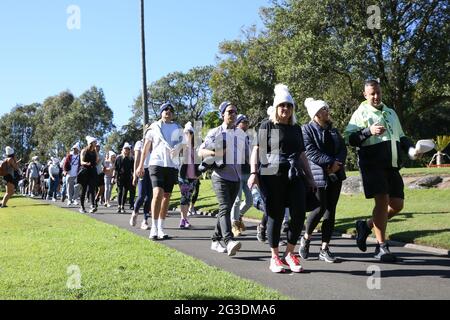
column 377, row 151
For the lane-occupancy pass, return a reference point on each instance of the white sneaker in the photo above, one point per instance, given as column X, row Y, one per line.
column 153, row 233
column 75, row 203
column 293, row 262
column 217, row 246
column 145, row 226
column 233, row 247
column 133, row 220
column 162, row 235
column 277, row 265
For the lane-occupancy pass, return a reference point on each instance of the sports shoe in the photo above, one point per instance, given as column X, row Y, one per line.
column 182, row 223
column 145, row 226
column 133, row 219
column 362, row 232
column 153, row 233
column 242, row 227
column 187, row 224
column 235, row 229
column 326, row 255
column 69, row 203
column 304, row 248
column 93, row 210
column 293, row 262
column 217, row 246
column 75, row 202
column 162, row 235
column 277, row 266
column 261, row 233
column 233, row 247
column 82, row 210
column 384, row 254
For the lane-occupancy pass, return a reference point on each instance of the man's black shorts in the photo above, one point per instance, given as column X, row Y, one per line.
column 9, row 178
column 164, row 178
column 382, row 181
column 101, row 180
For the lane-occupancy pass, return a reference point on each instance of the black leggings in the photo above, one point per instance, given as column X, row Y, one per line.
column 328, row 198
column 196, row 191
column 88, row 186
column 279, row 192
column 123, row 186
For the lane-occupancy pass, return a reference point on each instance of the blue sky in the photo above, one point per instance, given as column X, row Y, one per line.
column 40, row 56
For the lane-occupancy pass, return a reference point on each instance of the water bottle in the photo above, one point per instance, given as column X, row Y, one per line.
column 258, row 201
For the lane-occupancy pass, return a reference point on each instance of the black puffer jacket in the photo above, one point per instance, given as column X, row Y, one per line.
column 319, row 161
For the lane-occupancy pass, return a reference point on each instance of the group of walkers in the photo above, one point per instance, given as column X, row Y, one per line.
column 290, row 170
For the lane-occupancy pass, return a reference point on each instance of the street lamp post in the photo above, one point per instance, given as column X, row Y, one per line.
column 144, row 69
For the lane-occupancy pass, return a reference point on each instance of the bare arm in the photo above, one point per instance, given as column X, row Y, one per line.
column 83, row 154
column 253, row 179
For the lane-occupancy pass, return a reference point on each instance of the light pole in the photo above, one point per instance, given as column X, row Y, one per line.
column 144, row 69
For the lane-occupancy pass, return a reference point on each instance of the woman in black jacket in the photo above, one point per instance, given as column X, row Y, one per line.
column 123, row 175
column 326, row 153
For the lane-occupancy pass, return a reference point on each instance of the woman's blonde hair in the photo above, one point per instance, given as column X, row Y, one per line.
column 276, row 120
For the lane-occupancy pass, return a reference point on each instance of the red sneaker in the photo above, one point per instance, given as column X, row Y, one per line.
column 293, row 261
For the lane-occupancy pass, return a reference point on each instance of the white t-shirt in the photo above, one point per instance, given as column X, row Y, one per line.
column 139, row 146
column 74, row 165
column 164, row 138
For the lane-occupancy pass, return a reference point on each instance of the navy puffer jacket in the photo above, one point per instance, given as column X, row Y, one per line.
column 319, row 161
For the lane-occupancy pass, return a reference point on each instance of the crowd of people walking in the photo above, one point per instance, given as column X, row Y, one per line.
column 285, row 170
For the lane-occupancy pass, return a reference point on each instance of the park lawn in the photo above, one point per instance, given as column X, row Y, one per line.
column 40, row 242
column 425, row 219
column 414, row 172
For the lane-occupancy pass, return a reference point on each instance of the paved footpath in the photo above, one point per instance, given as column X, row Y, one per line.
column 419, row 275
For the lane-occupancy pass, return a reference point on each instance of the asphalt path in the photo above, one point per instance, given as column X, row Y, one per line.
column 357, row 275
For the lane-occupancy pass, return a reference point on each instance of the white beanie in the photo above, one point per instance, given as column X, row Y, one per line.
column 282, row 95
column 270, row 110
column 9, row 151
column 188, row 127
column 111, row 154
column 34, row 158
column 90, row 139
column 313, row 106
column 127, row 146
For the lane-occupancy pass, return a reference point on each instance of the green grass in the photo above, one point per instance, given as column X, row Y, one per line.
column 39, row 242
column 425, row 219
column 414, row 172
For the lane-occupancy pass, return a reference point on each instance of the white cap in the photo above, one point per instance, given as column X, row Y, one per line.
column 90, row 140
column 127, row 146
column 76, row 146
column 9, row 151
column 282, row 95
column 188, row 127
column 111, row 154
column 424, row 146
column 313, row 106
column 34, row 158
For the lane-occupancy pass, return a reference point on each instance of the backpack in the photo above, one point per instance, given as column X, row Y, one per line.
column 3, row 168
column 68, row 163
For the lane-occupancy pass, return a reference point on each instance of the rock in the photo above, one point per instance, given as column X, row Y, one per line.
column 353, row 185
column 429, row 181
